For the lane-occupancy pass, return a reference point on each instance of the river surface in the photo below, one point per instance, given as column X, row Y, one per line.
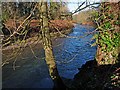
column 70, row 53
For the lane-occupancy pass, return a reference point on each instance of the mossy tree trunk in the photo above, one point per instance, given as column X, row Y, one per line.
column 47, row 44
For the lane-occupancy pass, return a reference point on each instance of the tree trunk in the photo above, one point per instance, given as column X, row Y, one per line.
column 47, row 44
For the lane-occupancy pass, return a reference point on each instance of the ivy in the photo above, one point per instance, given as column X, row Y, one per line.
column 107, row 25
column 108, row 37
column 117, row 22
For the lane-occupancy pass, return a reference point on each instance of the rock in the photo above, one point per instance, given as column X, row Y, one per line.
column 93, row 77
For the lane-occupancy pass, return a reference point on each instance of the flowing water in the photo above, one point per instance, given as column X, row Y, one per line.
column 70, row 53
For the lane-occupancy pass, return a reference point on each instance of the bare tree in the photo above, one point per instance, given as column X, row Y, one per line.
column 47, row 44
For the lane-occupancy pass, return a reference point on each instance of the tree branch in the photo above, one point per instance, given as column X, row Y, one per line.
column 79, row 7
column 77, row 10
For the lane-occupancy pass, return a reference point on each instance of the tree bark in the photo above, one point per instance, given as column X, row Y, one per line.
column 47, row 44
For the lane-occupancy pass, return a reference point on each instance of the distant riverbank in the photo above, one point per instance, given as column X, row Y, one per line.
column 35, row 40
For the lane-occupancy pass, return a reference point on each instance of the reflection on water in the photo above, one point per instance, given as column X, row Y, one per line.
column 70, row 54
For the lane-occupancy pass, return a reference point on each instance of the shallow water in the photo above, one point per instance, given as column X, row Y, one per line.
column 70, row 54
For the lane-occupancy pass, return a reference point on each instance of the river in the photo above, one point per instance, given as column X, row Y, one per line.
column 70, row 53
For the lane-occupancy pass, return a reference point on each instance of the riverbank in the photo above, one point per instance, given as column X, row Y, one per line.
column 35, row 40
column 57, row 28
column 93, row 77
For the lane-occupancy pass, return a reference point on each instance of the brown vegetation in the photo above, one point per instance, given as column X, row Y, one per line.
column 59, row 24
column 88, row 23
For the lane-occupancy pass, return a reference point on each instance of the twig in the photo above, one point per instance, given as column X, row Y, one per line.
column 33, row 52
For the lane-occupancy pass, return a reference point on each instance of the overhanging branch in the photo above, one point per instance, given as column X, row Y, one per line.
column 79, row 9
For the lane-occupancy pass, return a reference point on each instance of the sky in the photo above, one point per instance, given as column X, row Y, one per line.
column 73, row 4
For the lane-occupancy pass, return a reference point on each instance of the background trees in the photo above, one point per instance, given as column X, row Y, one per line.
column 23, row 17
